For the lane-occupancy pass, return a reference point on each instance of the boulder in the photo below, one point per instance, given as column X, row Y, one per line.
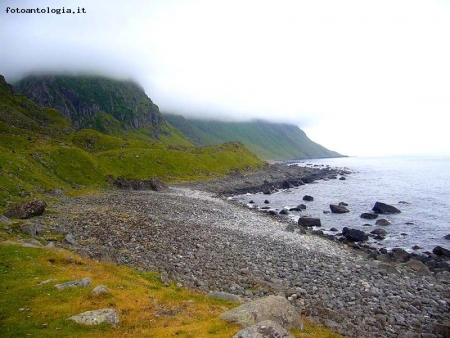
column 400, row 255
column 31, row 229
column 440, row 251
column 382, row 208
column 338, row 209
column 368, row 215
column 274, row 308
column 354, row 235
column 447, row 237
column 110, row 316
column 266, row 202
column 264, row 329
column 379, row 231
column 157, row 185
column 342, row 178
column 309, row 221
column 26, row 210
column 418, row 267
column 382, row 222
column 308, row 198
column 334, row 229
column 343, row 204
column 301, row 206
column 84, row 282
column 100, row 289
column 287, row 185
column 225, row 296
column 5, row 220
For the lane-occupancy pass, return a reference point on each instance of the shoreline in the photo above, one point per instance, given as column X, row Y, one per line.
column 205, row 242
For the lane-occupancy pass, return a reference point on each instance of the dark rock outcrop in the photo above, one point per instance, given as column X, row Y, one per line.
column 26, row 210
column 440, row 251
column 308, row 198
column 383, row 208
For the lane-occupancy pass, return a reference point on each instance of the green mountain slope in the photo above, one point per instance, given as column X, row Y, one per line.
column 40, row 152
column 270, row 141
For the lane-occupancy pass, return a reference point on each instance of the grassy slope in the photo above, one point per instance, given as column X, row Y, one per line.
column 39, row 152
column 266, row 140
column 146, row 307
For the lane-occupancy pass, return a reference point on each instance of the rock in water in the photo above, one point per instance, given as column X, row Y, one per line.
column 382, row 208
column 264, row 329
column 97, row 317
column 354, row 235
column 308, row 198
column 382, row 222
column 440, row 251
column 275, row 308
column 26, row 210
column 368, row 215
column 338, row 209
column 309, row 221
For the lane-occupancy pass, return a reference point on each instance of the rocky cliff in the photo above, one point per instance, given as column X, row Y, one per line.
column 95, row 102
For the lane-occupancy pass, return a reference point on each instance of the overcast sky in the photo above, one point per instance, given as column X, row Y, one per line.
column 359, row 77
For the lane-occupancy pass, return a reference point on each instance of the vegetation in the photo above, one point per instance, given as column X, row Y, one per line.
column 146, row 307
column 269, row 141
column 41, row 152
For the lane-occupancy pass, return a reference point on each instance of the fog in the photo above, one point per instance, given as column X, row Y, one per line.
column 364, row 78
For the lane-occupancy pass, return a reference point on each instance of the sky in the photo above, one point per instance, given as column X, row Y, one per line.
column 364, row 78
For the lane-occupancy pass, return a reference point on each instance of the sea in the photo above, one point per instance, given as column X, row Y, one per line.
column 418, row 186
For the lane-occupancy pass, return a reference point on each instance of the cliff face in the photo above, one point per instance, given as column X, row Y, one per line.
column 95, row 102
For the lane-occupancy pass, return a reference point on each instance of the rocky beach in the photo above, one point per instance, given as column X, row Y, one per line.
column 194, row 235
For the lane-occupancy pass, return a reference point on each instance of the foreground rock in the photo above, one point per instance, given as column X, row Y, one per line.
column 382, row 208
column 274, row 308
column 97, row 317
column 26, row 210
column 354, row 235
column 264, row 329
column 309, row 221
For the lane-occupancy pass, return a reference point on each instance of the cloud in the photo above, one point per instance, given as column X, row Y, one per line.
column 361, row 77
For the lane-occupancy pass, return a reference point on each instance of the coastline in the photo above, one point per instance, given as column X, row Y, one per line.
column 200, row 240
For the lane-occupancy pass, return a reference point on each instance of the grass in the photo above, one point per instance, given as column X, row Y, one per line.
column 146, row 307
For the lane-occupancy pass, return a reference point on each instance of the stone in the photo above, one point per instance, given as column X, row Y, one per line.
column 157, row 185
column 284, row 211
column 447, row 237
column 287, row 185
column 343, row 204
column 5, row 220
column 400, row 255
column 225, row 296
column 442, row 329
column 354, row 235
column 96, row 317
column 334, row 229
column 382, row 208
column 99, row 290
column 301, row 207
column 368, row 215
column 308, row 198
column 338, row 209
column 275, row 308
column 382, row 222
column 26, row 210
column 84, row 282
column 440, row 251
column 264, row 329
column 70, row 239
column 379, row 231
column 309, row 221
column 266, row 202
column 31, row 229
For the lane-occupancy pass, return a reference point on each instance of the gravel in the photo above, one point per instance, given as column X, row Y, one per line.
column 206, row 242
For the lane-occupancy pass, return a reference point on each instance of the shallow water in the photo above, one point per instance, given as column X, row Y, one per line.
column 422, row 182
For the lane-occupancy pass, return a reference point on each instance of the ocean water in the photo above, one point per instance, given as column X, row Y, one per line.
column 422, row 182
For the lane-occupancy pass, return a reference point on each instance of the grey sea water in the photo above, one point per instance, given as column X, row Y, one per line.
column 422, row 182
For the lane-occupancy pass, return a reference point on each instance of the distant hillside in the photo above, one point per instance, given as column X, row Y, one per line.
column 41, row 152
column 269, row 141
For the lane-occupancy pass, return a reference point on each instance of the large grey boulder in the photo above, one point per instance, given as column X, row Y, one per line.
column 26, row 210
column 383, row 208
column 275, row 308
column 97, row 317
column 264, row 329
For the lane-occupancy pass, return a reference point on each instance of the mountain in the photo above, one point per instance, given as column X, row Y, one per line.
column 269, row 141
column 42, row 151
column 95, row 102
